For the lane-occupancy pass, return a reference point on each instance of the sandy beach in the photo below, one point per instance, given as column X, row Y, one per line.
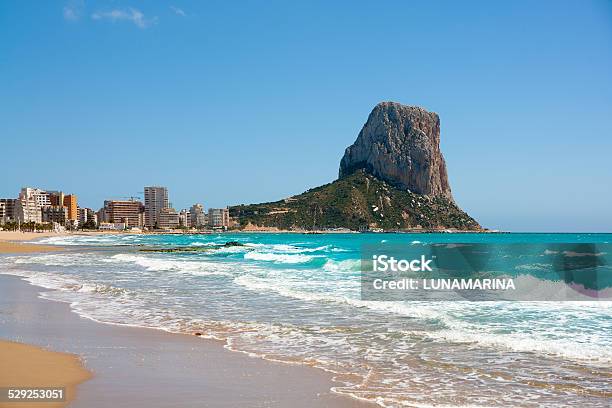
column 12, row 242
column 36, row 367
column 135, row 367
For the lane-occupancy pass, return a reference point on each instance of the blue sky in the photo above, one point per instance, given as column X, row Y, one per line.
column 238, row 102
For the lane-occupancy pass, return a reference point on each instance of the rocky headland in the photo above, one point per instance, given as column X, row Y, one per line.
column 393, row 178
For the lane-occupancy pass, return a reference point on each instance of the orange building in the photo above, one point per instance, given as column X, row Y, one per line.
column 70, row 201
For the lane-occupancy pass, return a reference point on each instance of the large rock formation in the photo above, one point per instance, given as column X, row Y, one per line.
column 392, row 178
column 400, row 145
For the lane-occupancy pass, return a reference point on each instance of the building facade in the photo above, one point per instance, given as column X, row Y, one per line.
column 185, row 218
column 28, row 207
column 58, row 198
column 102, row 215
column 198, row 217
column 156, row 199
column 70, row 202
column 168, row 218
column 108, row 226
column 218, row 217
column 87, row 214
column 128, row 212
column 41, row 197
column 55, row 213
column 7, row 210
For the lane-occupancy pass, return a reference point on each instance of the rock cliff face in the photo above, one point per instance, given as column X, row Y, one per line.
column 400, row 145
column 392, row 178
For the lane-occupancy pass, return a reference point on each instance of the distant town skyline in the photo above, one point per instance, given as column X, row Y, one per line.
column 38, row 208
column 102, row 98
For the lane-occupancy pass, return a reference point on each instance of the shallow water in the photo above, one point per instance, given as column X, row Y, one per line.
column 296, row 298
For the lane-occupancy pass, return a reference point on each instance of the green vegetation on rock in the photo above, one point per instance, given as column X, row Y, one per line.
column 358, row 201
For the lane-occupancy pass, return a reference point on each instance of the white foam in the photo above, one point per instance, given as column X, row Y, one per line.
column 278, row 258
column 193, row 267
column 346, row 266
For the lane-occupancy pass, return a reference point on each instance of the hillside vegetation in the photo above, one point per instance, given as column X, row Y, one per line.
column 358, row 201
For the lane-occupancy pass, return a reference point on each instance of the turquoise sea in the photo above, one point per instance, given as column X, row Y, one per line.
column 296, row 298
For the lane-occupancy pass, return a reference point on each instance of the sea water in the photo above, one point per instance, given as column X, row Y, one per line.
column 296, row 298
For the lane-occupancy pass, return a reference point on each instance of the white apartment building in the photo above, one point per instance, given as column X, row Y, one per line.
column 41, row 197
column 29, row 205
column 218, row 217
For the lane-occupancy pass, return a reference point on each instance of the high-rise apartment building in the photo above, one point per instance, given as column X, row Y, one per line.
column 156, row 199
column 70, row 202
column 28, row 207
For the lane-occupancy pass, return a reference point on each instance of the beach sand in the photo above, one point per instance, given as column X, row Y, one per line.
column 11, row 242
column 136, row 367
column 28, row 366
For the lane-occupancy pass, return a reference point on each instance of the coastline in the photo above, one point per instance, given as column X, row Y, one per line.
column 139, row 367
column 85, row 274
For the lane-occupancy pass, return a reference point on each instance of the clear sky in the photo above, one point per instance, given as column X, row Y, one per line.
column 229, row 102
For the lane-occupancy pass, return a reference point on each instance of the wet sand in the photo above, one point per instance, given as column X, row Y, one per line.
column 136, row 367
column 28, row 366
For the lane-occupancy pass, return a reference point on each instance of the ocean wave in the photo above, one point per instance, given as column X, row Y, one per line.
column 278, row 258
column 297, row 290
column 525, row 342
column 200, row 243
column 64, row 259
column 331, row 327
column 102, row 239
column 345, row 266
column 63, row 283
column 201, row 268
column 537, row 266
column 446, row 314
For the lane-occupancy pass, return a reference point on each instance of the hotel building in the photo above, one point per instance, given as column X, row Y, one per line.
column 156, row 199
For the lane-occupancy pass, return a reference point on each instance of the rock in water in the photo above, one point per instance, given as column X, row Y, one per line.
column 400, row 145
column 392, row 178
